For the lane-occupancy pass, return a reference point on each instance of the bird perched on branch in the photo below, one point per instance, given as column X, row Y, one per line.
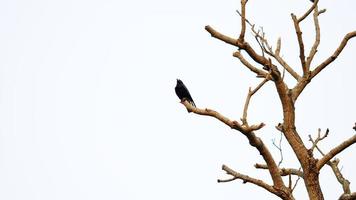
column 183, row 93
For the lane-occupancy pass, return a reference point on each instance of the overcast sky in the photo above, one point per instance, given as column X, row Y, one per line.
column 88, row 109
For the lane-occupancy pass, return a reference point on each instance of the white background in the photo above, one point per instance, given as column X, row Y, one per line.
column 88, row 109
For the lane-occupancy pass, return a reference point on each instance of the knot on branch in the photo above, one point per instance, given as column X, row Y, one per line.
column 279, row 127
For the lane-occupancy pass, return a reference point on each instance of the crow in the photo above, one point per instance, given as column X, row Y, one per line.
column 183, row 93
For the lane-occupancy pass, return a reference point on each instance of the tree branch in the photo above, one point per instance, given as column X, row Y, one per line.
column 252, row 138
column 334, row 55
column 261, row 40
column 305, row 80
column 317, row 140
column 221, row 36
column 242, row 45
column 212, row 113
column 258, row 72
column 284, row 63
column 263, row 43
column 340, row 178
column 351, row 196
column 296, row 182
column 309, row 11
column 227, row 180
column 333, row 164
column 279, row 147
column 243, row 20
column 248, row 179
column 300, row 42
column 314, row 49
column 283, row 171
column 248, row 98
column 266, row 47
column 335, row 151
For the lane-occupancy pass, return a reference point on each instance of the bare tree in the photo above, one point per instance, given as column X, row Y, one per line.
column 270, row 66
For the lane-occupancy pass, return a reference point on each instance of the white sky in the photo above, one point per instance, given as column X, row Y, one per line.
column 88, row 109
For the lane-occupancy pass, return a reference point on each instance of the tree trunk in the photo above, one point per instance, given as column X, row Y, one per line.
column 311, row 181
column 306, row 159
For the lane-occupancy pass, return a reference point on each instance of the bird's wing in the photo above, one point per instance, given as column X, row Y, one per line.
column 188, row 95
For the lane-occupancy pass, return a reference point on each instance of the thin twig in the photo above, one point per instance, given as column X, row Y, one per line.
column 261, row 45
column 238, row 12
column 248, row 98
column 227, row 180
column 279, row 147
column 296, row 182
column 290, row 181
column 318, row 139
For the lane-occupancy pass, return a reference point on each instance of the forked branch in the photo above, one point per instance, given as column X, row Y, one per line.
column 241, row 45
column 306, row 14
column 317, row 140
column 314, row 48
column 248, row 98
column 266, row 48
column 254, row 141
column 333, row 164
column 282, row 62
column 333, row 152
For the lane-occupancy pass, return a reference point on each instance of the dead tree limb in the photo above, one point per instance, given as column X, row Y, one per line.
column 300, row 42
column 336, row 53
column 333, row 152
column 267, row 69
column 248, row 98
column 333, row 164
column 283, row 171
column 248, row 179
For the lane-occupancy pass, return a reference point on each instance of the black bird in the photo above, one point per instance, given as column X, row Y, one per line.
column 312, row 1
column 183, row 93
